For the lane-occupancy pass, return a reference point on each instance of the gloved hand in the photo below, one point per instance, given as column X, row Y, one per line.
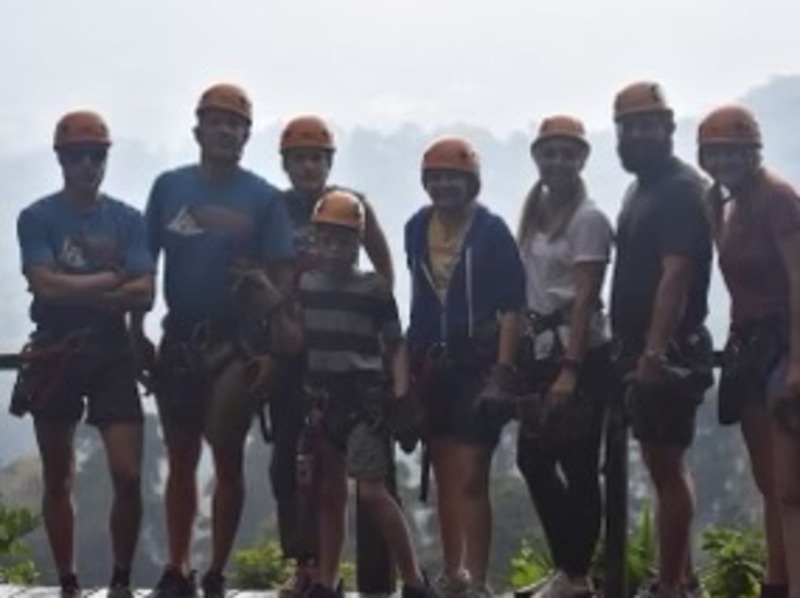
column 145, row 357
column 406, row 420
column 498, row 398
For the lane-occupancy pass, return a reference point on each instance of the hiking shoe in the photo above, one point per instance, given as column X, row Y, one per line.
column 298, row 584
column 70, row 588
column 560, row 585
column 213, row 585
column 448, row 587
column 174, row 584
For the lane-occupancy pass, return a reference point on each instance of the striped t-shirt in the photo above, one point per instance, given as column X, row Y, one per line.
column 348, row 321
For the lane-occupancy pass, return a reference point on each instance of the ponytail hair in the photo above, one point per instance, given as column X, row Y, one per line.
column 531, row 217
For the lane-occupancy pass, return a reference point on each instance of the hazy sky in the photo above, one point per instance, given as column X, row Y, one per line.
column 497, row 63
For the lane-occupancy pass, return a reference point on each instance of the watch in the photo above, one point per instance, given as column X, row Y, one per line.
column 653, row 355
column 571, row 363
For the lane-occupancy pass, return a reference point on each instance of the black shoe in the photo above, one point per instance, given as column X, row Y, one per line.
column 774, row 591
column 120, row 584
column 174, row 584
column 320, row 591
column 213, row 585
column 70, row 588
column 423, row 590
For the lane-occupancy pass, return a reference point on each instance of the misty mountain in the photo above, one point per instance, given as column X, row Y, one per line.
column 384, row 165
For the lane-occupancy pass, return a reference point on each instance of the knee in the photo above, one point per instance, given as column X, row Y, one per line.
column 788, row 495
column 476, row 486
column 229, row 470
column 666, row 470
column 372, row 493
column 333, row 492
column 58, row 487
column 127, row 483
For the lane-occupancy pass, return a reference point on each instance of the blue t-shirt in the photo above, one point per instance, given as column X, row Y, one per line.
column 202, row 225
column 108, row 236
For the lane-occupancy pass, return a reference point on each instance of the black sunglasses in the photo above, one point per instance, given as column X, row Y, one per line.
column 75, row 155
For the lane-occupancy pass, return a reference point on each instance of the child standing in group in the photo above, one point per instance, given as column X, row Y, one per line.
column 352, row 328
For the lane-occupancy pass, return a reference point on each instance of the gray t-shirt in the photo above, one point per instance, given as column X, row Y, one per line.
column 549, row 279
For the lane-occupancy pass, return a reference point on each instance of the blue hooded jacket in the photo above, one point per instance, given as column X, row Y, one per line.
column 487, row 281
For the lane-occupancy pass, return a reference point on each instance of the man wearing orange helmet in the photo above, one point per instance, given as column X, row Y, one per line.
column 352, row 329
column 85, row 258
column 565, row 245
column 658, row 309
column 207, row 218
column 757, row 231
column 307, row 150
column 468, row 292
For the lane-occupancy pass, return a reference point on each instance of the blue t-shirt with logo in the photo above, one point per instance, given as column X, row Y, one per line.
column 107, row 236
column 203, row 225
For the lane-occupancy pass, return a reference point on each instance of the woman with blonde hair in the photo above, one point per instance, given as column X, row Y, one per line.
column 565, row 244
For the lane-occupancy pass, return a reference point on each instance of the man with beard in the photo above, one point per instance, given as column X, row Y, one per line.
column 208, row 219
column 86, row 262
column 658, row 308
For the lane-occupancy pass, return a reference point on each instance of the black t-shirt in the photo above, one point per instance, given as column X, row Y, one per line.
column 661, row 216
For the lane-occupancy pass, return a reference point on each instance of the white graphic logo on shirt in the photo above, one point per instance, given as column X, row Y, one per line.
column 185, row 224
column 72, row 255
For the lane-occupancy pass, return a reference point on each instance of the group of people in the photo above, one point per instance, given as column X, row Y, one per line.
column 265, row 298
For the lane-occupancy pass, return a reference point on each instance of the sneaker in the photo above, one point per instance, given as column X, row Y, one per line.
column 648, row 589
column 456, row 587
column 480, row 591
column 560, row 585
column 298, row 584
column 651, row 589
column 174, row 584
column 120, row 584
column 70, row 588
column 213, row 585
column 695, row 589
column 529, row 590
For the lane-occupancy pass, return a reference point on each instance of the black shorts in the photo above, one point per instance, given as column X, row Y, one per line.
column 101, row 381
column 449, row 402
column 201, row 386
column 665, row 416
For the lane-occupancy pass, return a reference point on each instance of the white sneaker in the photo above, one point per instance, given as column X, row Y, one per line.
column 561, row 586
column 456, row 587
column 529, row 591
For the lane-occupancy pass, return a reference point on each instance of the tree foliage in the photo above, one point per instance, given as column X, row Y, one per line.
column 16, row 566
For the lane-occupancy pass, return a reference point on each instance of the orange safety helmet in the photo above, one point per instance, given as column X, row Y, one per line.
column 729, row 125
column 81, row 126
column 561, row 125
column 643, row 96
column 451, row 153
column 307, row 132
column 226, row 96
column 340, row 208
